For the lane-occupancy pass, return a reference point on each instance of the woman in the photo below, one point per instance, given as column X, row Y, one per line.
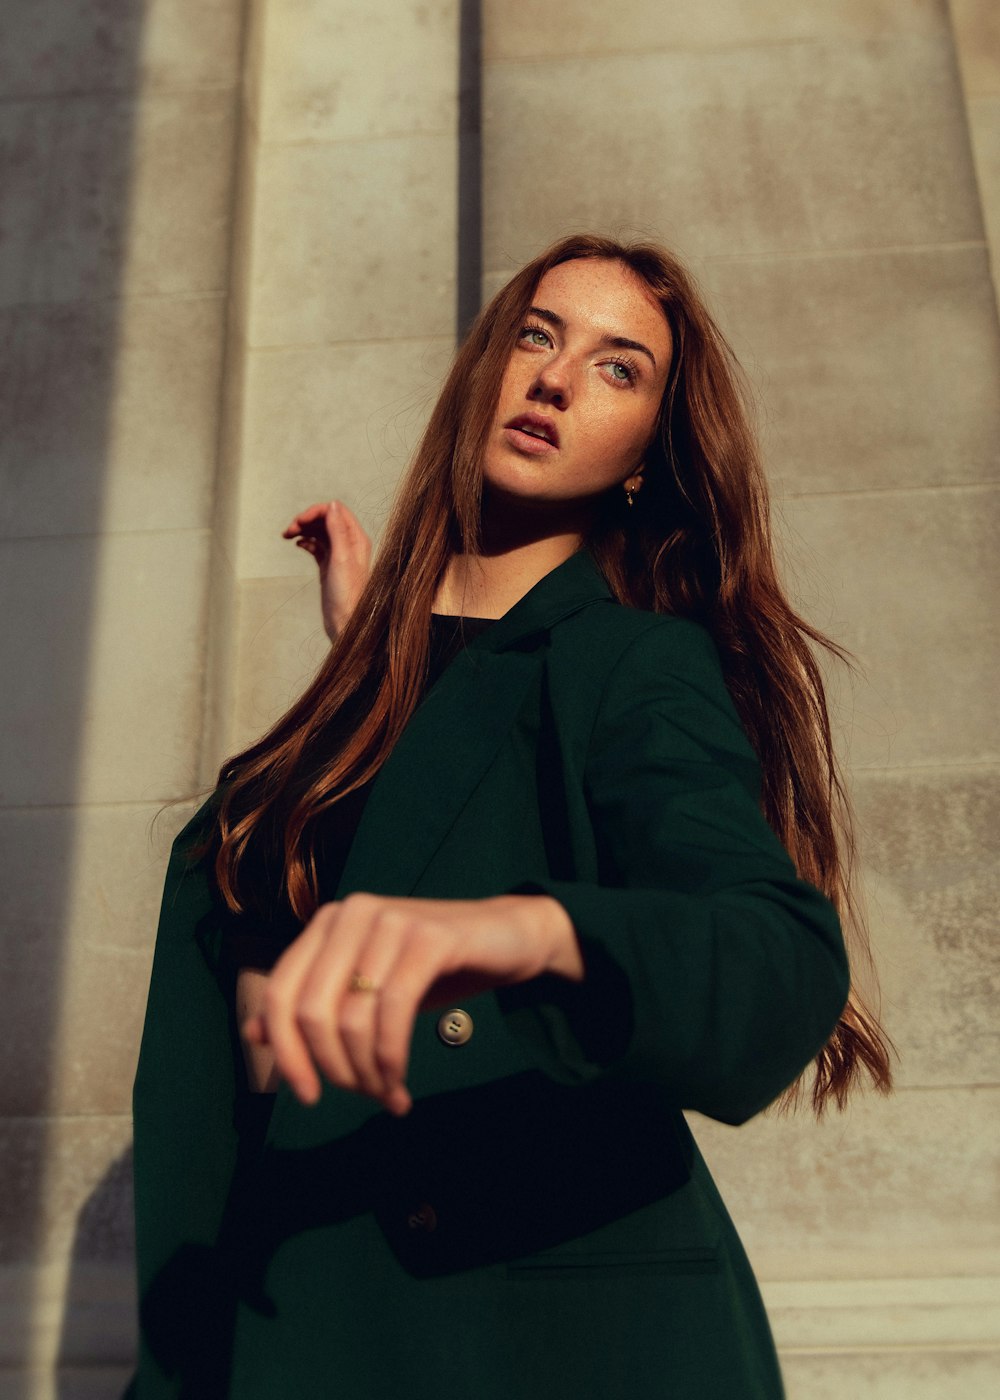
column 545, row 854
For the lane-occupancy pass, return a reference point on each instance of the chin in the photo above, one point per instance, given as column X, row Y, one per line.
column 517, row 488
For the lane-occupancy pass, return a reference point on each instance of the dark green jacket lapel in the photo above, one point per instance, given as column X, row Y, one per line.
column 423, row 786
column 456, row 732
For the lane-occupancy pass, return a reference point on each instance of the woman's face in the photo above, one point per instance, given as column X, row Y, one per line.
column 581, row 393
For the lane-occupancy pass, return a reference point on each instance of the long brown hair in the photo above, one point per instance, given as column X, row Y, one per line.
column 697, row 544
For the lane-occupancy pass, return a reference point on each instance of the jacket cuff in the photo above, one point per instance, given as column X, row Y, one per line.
column 575, row 1031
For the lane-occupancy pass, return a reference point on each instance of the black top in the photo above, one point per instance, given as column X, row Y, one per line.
column 258, row 937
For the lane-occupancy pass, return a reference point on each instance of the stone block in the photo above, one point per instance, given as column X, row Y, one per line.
column 976, row 26
column 66, row 1383
column 281, row 645
column 984, row 128
column 899, row 1187
column 82, row 898
column 231, row 447
column 929, row 864
column 102, row 1002
column 241, row 248
column 352, row 72
column 910, row 1374
column 53, row 47
column 520, row 30
column 355, row 241
column 103, row 701
column 108, row 416
column 873, row 370
column 334, row 421
column 798, row 148
column 907, row 580
column 67, row 1190
column 852, row 1315
column 134, row 199
column 220, row 667
column 73, row 1316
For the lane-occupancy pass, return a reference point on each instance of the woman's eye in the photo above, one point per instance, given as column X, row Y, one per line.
column 621, row 371
column 535, row 335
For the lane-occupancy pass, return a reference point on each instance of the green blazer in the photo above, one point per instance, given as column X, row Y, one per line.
column 541, row 1226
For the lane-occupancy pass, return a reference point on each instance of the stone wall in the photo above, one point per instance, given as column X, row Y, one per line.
column 117, row 123
column 813, row 164
column 343, row 312
column 230, row 272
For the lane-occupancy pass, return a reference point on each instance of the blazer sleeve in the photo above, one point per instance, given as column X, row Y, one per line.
column 710, row 967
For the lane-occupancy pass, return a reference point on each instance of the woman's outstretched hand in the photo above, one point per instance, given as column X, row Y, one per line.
column 343, row 997
column 333, row 536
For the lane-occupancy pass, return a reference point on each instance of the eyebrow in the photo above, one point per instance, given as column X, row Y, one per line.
column 619, row 342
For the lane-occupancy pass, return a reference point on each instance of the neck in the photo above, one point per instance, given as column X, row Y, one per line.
column 516, row 552
column 483, row 585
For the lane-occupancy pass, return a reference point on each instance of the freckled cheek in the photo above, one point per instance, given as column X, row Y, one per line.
column 617, row 439
column 514, row 386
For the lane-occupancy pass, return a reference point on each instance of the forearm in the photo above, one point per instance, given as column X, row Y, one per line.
column 722, row 1000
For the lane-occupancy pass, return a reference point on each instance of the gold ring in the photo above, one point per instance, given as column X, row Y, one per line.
column 360, row 983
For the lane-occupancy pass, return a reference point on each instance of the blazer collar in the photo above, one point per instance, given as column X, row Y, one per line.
column 571, row 585
column 456, row 732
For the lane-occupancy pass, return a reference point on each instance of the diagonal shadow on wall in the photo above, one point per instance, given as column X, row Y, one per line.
column 96, row 1334
column 67, row 75
column 115, row 163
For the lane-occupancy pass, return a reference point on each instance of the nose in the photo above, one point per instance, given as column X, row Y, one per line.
column 552, row 384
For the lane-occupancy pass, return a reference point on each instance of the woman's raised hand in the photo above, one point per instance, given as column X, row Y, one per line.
column 343, row 997
column 333, row 536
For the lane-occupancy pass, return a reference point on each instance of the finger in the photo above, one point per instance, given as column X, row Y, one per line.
column 349, row 520
column 361, row 1012
column 340, row 1024
column 253, row 1031
column 361, row 545
column 324, row 1003
column 348, row 540
column 314, row 529
column 307, row 517
column 398, row 1101
column 337, row 528
column 281, row 1001
column 314, row 538
column 424, row 957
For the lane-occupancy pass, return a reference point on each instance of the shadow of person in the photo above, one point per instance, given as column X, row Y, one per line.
column 526, row 1174
column 97, row 1335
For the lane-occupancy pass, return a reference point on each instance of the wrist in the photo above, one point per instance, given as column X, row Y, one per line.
column 569, row 956
column 548, row 923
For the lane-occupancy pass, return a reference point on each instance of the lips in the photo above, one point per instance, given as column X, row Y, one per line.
column 541, row 431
